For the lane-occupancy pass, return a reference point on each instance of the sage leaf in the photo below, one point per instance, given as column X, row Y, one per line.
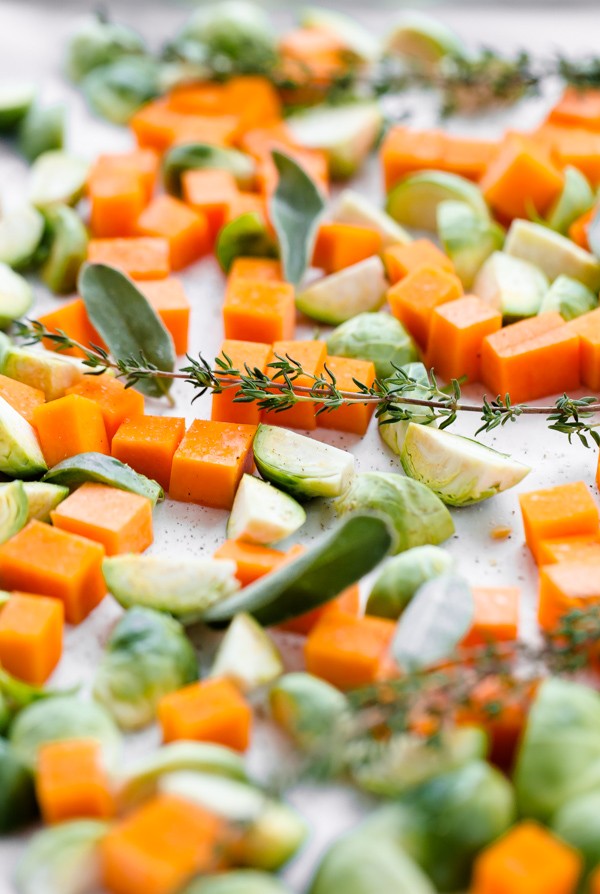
column 337, row 561
column 128, row 324
column 593, row 234
column 191, row 156
column 295, row 210
column 102, row 469
column 434, row 623
column 246, row 236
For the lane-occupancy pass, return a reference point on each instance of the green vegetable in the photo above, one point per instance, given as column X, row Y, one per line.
column 358, row 289
column 191, row 156
column 552, row 253
column 416, row 513
column 359, row 45
column 345, row 133
column 147, row 656
column 247, row 655
column 15, row 694
column 394, row 433
column 15, row 102
column 467, row 238
column 295, row 209
column 559, row 754
column 354, row 208
column 140, row 780
column 238, row 34
column 247, row 236
column 45, row 370
column 262, row 514
column 337, row 560
column 62, row 859
column 379, row 338
column 103, row 469
column 117, row 90
column 98, row 42
column 576, row 198
column 127, row 322
column 42, row 498
column 306, row 707
column 402, row 576
column 512, row 286
column 20, row 453
column 42, row 129
column 423, row 41
column 18, row 804
column 241, row 881
column 63, row 717
column 414, row 201
column 13, row 509
column 577, row 823
column 57, row 177
column 434, row 623
column 183, row 587
column 303, row 467
column 21, row 232
column 16, row 296
column 569, row 298
column 68, row 249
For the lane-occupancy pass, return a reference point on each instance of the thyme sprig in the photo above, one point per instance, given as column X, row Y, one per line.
column 399, row 398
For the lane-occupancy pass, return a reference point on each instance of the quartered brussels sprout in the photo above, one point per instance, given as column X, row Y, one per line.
column 117, row 90
column 42, row 129
column 394, row 433
column 263, row 514
column 57, row 177
column 62, row 859
column 15, row 101
column 44, row 370
column 42, row 498
column 147, row 656
column 577, row 197
column 20, row 452
column 569, row 298
column 246, row 236
column 379, row 338
column 511, row 285
column 13, row 509
column 306, row 707
column 554, row 254
column 193, row 156
column 18, row 805
column 353, row 208
column 577, row 823
column 67, row 251
column 236, row 33
column 21, row 232
column 98, row 42
column 417, row 514
column 240, row 881
column 413, row 202
column 468, row 239
column 16, row 296
column 247, row 655
column 354, row 290
column 402, row 576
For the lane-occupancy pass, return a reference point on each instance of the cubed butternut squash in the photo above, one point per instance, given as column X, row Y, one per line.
column 587, row 327
column 400, row 260
column 185, row 230
column 311, row 355
column 414, row 298
column 496, row 617
column 211, row 193
column 352, row 418
column 72, row 319
column 521, row 177
column 567, row 587
column 168, row 298
column 116, row 402
column 456, row 335
column 68, row 426
column 262, row 269
column 210, row 711
column 72, row 781
column 138, row 256
column 567, row 510
column 253, row 354
column 339, row 245
column 348, row 651
column 252, row 560
column 148, row 443
column 22, row 398
column 31, row 636
column 259, row 310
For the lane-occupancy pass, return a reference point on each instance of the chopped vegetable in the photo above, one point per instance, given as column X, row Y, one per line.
column 57, row 177
column 354, row 208
column 467, row 238
column 262, row 514
column 98, row 42
column 68, row 249
column 61, row 859
column 18, row 805
column 402, row 576
column 71, row 781
column 42, row 130
column 116, row 403
column 13, row 509
column 242, row 881
column 16, row 296
column 568, row 297
column 576, row 199
column 42, row 498
column 347, row 651
column 414, row 201
column 456, row 334
column 21, row 232
column 259, row 310
column 31, row 636
column 423, row 41
column 379, row 338
column 354, row 290
column 414, row 298
column 69, row 426
column 15, row 101
column 40, row 369
column 552, row 253
column 247, row 655
column 210, row 711
column 20, row 452
column 521, row 177
column 306, row 707
column 512, row 286
column 405, row 258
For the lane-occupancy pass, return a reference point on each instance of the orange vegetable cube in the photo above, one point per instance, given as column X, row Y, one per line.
column 354, row 418
column 414, row 298
column 197, row 99
column 400, row 260
column 185, row 231
column 577, row 108
column 211, row 193
column 160, row 846
column 348, row 651
column 339, row 245
column 528, row 859
column 31, row 636
column 254, row 99
column 496, row 616
column 572, row 146
column 22, row 398
column 467, row 157
column 143, row 162
column 210, row 711
column 71, row 781
column 148, row 443
column 263, row 269
column 252, row 560
column 311, row 354
column 119, row 520
column 155, row 125
column 248, row 203
column 567, row 587
column 531, row 358
column 68, row 426
column 260, row 141
column 578, row 231
column 168, row 298
column 456, row 334
column 259, row 310
column 567, row 510
column 117, row 198
column 521, row 177
column 587, row 327
column 347, row 602
column 210, row 461
column 241, row 353
column 139, row 257
column 215, row 130
column 404, row 151
column 43, row 559
column 116, row 402
column 72, row 319
column 584, row 548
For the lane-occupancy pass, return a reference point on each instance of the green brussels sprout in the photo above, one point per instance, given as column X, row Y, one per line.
column 147, row 656
column 577, row 823
column 467, row 238
column 13, row 509
column 99, row 42
column 117, row 90
column 306, row 707
column 42, row 129
column 394, row 433
column 15, row 101
column 241, row 881
column 402, row 576
column 244, row 236
column 568, row 297
column 247, row 655
column 16, row 296
column 42, row 498
column 21, row 232
column 418, row 516
column 559, row 755
column 56, row 178
column 20, row 452
column 357, row 289
column 68, row 249
column 577, row 197
column 62, row 859
column 45, row 370
column 192, row 156
column 63, row 717
column 18, row 804
column 379, row 338
column 236, row 34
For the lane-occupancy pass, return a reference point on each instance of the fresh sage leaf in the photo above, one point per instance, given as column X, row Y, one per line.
column 247, row 236
column 128, row 324
column 336, row 562
column 191, row 156
column 295, row 208
column 593, row 234
column 102, row 469
column 433, row 624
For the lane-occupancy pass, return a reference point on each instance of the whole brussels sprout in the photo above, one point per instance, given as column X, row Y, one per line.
column 379, row 338
column 402, row 576
column 237, row 34
column 147, row 656
column 99, row 42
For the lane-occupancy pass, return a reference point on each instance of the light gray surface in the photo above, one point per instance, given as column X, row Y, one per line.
column 31, row 38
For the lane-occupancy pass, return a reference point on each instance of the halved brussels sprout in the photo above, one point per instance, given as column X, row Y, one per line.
column 117, row 90
column 511, row 285
column 569, row 298
column 15, row 101
column 57, row 177
column 42, row 129
column 16, row 296
column 357, row 289
column 244, row 236
column 240, row 881
column 468, row 239
column 62, row 859
column 353, row 208
column 414, row 201
column 576, row 198
column 13, row 509
column 262, row 514
column 378, row 337
column 20, row 452
column 45, row 370
column 402, row 576
column 98, row 42
column 552, row 253
column 394, row 433
column 18, row 805
column 42, row 498
column 68, row 249
column 237, row 33
column 21, row 232
column 306, row 707
column 247, row 655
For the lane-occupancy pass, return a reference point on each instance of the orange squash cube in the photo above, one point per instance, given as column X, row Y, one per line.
column 347, row 602
column 148, row 443
column 414, row 298
column 22, row 398
column 400, row 260
column 160, row 846
column 31, row 636
column 311, row 354
column 260, row 311
column 577, row 108
column 215, row 130
column 43, row 559
column 197, row 99
column 68, row 426
column 456, row 334
column 404, row 151
column 567, row 587
column 143, row 162
column 210, row 461
column 241, row 353
column 567, row 510
column 157, row 126
column 587, row 327
column 139, row 257
column 119, row 520
column 252, row 560
column 249, row 203
column 348, row 651
column 210, row 711
column 578, row 231
column 255, row 99
column 496, row 616
column 71, row 781
column 185, row 231
column 72, row 319
column 467, row 157
column 211, row 193
column 354, row 418
column 520, row 177
column 339, row 245
column 117, row 198
column 585, row 548
column 116, row 402
column 263, row 269
column 168, row 298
